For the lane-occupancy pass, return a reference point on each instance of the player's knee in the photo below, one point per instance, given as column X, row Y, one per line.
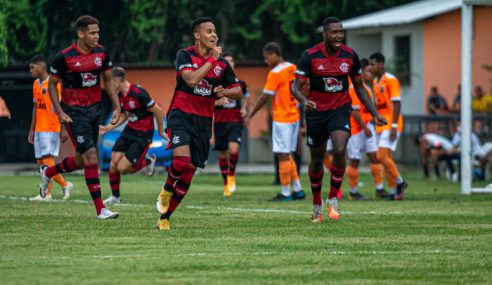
column 124, row 169
column 339, row 151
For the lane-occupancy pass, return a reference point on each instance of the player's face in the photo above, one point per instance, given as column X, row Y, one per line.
column 117, row 83
column 334, row 35
column 375, row 67
column 271, row 59
column 207, row 35
column 366, row 74
column 230, row 60
column 36, row 69
column 90, row 36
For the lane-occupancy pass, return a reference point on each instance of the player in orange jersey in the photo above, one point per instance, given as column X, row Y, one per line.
column 387, row 94
column 45, row 127
column 285, row 126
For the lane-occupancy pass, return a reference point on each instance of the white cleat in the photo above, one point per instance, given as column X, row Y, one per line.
column 38, row 198
column 150, row 169
column 112, row 200
column 45, row 181
column 67, row 190
column 107, row 214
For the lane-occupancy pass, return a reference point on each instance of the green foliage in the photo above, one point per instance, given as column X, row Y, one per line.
column 4, row 50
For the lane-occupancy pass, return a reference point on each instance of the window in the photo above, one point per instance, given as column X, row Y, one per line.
column 402, row 59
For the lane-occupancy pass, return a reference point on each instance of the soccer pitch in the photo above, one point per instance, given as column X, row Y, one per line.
column 435, row 236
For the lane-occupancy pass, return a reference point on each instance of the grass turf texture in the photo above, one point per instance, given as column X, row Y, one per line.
column 435, row 236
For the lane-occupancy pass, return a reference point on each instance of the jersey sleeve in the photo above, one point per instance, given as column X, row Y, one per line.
column 183, row 62
column 303, row 66
column 229, row 78
column 394, row 85
column 271, row 84
column 245, row 88
column 59, row 88
column 58, row 67
column 356, row 68
column 107, row 64
column 353, row 96
column 145, row 99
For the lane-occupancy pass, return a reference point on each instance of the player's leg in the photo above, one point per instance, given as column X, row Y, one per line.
column 355, row 146
column 281, row 140
column 233, row 149
column 434, row 154
column 298, row 193
column 315, row 173
column 224, row 169
column 339, row 139
column 221, row 146
column 377, row 174
column 114, row 177
column 48, row 196
column 328, row 157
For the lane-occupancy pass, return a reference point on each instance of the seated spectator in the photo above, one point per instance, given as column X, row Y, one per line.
column 481, row 102
column 438, row 148
column 437, row 103
column 456, row 108
column 482, row 153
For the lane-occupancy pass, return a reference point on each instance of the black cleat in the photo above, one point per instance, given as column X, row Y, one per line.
column 381, row 193
column 400, row 190
column 281, row 198
column 298, row 195
column 356, row 197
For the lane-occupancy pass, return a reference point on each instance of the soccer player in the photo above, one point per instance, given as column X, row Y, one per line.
column 387, row 96
column 129, row 151
column 363, row 139
column 228, row 130
column 328, row 66
column 79, row 67
column 285, row 126
column 437, row 147
column 202, row 77
column 45, row 127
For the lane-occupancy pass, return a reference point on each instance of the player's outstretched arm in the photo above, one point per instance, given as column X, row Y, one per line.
column 366, row 100
column 113, row 95
column 296, row 91
column 260, row 102
column 55, row 97
column 121, row 119
column 158, row 117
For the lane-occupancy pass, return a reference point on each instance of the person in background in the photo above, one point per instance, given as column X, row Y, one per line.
column 437, row 103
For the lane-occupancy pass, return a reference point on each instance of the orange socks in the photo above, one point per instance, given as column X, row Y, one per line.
column 353, row 176
column 390, row 169
column 294, row 176
column 284, row 173
column 377, row 174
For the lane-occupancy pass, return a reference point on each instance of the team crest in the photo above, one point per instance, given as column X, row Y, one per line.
column 344, row 67
column 217, row 70
column 332, row 84
column 131, row 104
column 203, row 88
column 98, row 61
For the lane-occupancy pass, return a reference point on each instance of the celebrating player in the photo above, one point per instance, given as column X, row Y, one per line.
column 202, row 77
column 285, row 126
column 328, row 65
column 78, row 67
column 228, row 130
column 387, row 93
column 45, row 127
column 129, row 151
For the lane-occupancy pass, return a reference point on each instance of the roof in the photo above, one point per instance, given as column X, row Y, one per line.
column 403, row 14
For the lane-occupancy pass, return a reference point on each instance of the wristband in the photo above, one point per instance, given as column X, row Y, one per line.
column 211, row 60
column 394, row 125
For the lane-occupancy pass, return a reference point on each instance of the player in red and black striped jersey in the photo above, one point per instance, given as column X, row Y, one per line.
column 128, row 155
column 228, row 129
column 79, row 67
column 202, row 77
column 328, row 66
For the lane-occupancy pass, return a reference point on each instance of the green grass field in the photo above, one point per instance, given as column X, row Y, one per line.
column 435, row 236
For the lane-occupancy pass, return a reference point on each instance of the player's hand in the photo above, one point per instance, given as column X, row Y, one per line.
column 247, row 119
column 30, row 137
column 103, row 129
column 243, row 112
column 164, row 135
column 64, row 118
column 216, row 52
column 220, row 91
column 380, row 120
column 310, row 105
column 392, row 135
column 367, row 132
column 212, row 141
column 115, row 117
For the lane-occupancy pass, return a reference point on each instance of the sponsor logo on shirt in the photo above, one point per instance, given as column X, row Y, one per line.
column 320, row 67
column 332, row 84
column 77, row 64
column 203, row 88
column 131, row 104
column 88, row 79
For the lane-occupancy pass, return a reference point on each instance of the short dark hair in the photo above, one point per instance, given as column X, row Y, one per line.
column 198, row 21
column 377, row 56
column 330, row 20
column 364, row 62
column 119, row 72
column 37, row 59
column 273, row 47
column 84, row 21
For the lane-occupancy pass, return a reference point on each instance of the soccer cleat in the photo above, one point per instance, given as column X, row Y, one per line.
column 107, row 214
column 227, row 192
column 112, row 200
column 163, row 224
column 381, row 193
column 231, row 183
column 333, row 209
column 400, row 190
column 163, row 201
column 45, row 181
column 281, row 198
column 67, row 190
column 299, row 195
column 41, row 199
column 317, row 216
column 150, row 169
column 356, row 197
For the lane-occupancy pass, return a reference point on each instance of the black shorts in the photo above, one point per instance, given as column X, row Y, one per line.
column 191, row 130
column 134, row 144
column 84, row 128
column 227, row 132
column 320, row 124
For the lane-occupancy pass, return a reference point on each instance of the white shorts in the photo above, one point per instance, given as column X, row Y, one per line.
column 359, row 144
column 383, row 140
column 483, row 151
column 284, row 137
column 46, row 143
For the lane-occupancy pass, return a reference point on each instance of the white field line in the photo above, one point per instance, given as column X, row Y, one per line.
column 250, row 210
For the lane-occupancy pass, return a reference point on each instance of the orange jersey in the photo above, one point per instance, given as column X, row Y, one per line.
column 46, row 117
column 278, row 85
column 387, row 91
column 357, row 105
